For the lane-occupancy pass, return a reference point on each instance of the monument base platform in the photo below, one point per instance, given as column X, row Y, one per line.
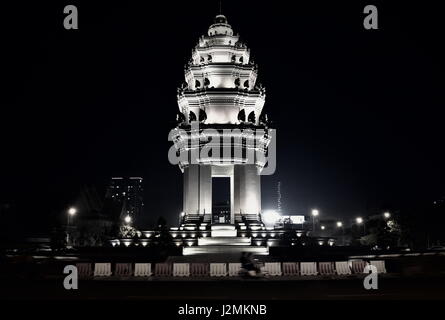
column 225, row 241
column 229, row 249
column 223, row 230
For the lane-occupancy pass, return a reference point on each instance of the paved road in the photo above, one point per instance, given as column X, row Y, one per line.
column 348, row 289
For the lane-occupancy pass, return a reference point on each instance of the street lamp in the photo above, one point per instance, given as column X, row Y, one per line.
column 359, row 221
column 270, row 217
column 71, row 213
column 127, row 219
column 340, row 225
column 314, row 214
column 387, row 215
column 322, row 227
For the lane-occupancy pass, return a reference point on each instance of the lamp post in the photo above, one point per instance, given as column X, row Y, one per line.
column 359, row 221
column 314, row 214
column 340, row 225
column 71, row 213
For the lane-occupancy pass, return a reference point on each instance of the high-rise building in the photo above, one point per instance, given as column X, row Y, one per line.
column 125, row 197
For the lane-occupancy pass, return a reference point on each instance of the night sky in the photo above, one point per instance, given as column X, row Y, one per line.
column 359, row 113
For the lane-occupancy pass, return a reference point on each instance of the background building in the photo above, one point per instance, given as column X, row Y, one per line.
column 124, row 199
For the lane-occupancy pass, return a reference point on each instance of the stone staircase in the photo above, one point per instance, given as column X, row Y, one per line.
column 223, row 230
column 224, row 240
column 208, row 250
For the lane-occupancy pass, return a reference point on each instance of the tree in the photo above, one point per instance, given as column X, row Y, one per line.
column 126, row 231
column 384, row 234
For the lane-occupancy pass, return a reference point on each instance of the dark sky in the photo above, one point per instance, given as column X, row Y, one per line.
column 359, row 113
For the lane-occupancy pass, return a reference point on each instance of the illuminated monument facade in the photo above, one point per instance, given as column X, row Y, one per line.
column 221, row 133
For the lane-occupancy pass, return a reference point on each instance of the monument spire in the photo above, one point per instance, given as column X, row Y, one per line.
column 221, row 97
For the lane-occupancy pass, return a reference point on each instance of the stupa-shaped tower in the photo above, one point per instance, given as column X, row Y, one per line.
column 221, row 131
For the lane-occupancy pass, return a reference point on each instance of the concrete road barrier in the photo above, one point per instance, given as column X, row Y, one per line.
column 218, row 269
column 234, row 269
column 199, row 269
column 380, row 265
column 290, row 269
column 142, row 270
column 272, row 268
column 84, row 270
column 326, row 268
column 102, row 270
column 181, row 269
column 358, row 266
column 123, row 270
column 163, row 269
column 342, row 267
column 308, row 268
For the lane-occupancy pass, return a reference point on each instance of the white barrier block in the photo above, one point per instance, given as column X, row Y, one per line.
column 199, row 269
column 326, row 268
column 380, row 265
column 234, row 269
column 218, row 269
column 84, row 269
column 290, row 269
column 123, row 269
column 272, row 268
column 342, row 267
column 181, row 269
column 358, row 266
column 142, row 270
column 163, row 269
column 308, row 268
column 102, row 269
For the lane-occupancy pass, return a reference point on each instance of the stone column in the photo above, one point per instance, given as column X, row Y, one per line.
column 237, row 176
column 250, row 190
column 232, row 199
column 191, row 189
column 205, row 190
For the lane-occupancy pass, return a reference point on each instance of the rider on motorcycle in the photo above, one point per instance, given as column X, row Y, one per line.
column 248, row 263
